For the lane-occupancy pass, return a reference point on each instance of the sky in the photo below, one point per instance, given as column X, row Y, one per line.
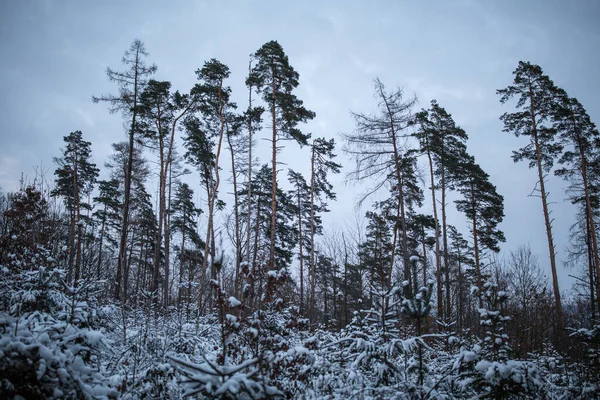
column 54, row 56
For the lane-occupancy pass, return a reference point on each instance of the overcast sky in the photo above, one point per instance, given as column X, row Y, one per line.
column 53, row 57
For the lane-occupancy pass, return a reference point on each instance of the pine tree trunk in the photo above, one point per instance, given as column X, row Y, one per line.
column 589, row 216
column 238, row 239
column 257, row 269
column 181, row 265
column 476, row 247
column 424, row 258
column 71, row 261
column 78, row 217
column 167, row 225
column 438, row 275
column 126, row 269
column 127, row 189
column 249, row 227
column 591, row 271
column 301, row 257
column 445, row 242
column 547, row 221
column 161, row 208
column 459, row 296
column 212, row 195
column 273, row 180
column 102, row 228
column 312, row 234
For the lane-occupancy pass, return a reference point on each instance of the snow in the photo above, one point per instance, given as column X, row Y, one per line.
column 233, row 302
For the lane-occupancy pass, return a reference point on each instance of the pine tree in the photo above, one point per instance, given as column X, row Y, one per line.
column 536, row 99
column 75, row 178
column 107, row 215
column 275, row 79
column 118, row 164
column 444, row 142
column 461, row 254
column 300, row 192
column 156, row 112
column 287, row 233
column 238, row 149
column 581, row 141
column 484, row 208
column 375, row 254
column 184, row 221
column 131, row 83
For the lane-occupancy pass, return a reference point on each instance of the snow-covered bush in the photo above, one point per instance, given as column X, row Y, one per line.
column 43, row 357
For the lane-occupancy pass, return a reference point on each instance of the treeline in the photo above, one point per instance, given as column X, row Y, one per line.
column 151, row 253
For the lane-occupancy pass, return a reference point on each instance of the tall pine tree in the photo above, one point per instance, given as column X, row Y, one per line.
column 276, row 79
column 536, row 97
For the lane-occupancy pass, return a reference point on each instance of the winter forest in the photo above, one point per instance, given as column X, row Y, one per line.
column 195, row 262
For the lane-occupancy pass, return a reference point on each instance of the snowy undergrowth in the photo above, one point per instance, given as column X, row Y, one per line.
column 59, row 341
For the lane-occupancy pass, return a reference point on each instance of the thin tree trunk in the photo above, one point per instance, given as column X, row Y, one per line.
column 445, row 242
column 312, row 233
column 547, row 220
column 238, row 239
column 274, row 180
column 126, row 269
column 167, row 225
column 101, row 242
column 400, row 188
column 213, row 194
column 249, row 227
column 459, row 297
column 591, row 271
column 71, row 261
column 168, row 169
column 181, row 265
column 589, row 215
column 476, row 248
column 161, row 205
column 78, row 217
column 127, row 189
column 301, row 257
column 438, row 275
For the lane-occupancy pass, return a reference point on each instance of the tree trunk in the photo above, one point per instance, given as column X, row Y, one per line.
column 312, row 234
column 212, row 196
column 400, row 188
column 476, row 248
column 547, row 220
column 127, row 189
column 445, row 241
column 78, row 217
column 167, row 230
column 438, row 275
column 301, row 257
column 274, row 180
column 249, row 227
column 102, row 228
column 238, row 239
column 161, row 208
column 589, row 216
